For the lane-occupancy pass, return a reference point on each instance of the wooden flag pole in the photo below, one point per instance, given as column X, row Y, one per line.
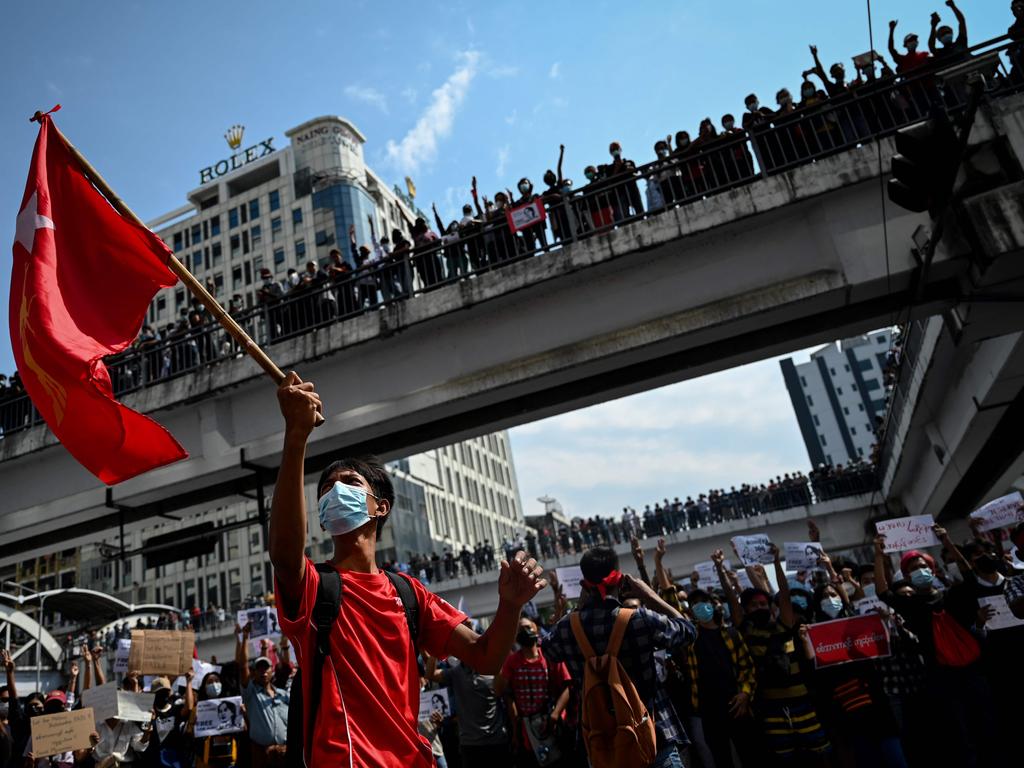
column 197, row 289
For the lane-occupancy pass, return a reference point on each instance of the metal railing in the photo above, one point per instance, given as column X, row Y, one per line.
column 710, row 166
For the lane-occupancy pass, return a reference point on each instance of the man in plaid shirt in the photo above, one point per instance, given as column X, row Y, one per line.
column 654, row 626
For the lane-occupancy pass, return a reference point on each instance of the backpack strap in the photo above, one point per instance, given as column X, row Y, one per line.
column 325, row 614
column 618, row 631
column 410, row 604
column 581, row 637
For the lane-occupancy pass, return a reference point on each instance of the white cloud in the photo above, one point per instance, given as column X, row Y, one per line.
column 367, row 95
column 419, row 145
column 499, row 171
column 410, row 95
column 502, row 71
column 556, row 70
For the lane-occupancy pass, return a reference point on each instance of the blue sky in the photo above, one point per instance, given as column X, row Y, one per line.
column 442, row 93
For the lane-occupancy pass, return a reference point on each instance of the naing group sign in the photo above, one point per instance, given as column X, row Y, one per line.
column 335, row 135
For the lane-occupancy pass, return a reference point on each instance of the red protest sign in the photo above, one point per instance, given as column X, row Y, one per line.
column 845, row 640
column 526, row 215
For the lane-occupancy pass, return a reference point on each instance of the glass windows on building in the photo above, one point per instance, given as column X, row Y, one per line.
column 197, row 261
column 179, row 241
column 296, row 216
column 215, row 226
column 257, row 235
column 236, row 278
column 197, row 234
column 275, row 200
column 233, row 218
column 275, row 228
column 278, row 257
column 236, row 245
column 300, row 250
column 215, row 253
column 254, row 209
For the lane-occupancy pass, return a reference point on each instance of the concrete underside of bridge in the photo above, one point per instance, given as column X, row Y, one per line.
column 780, row 264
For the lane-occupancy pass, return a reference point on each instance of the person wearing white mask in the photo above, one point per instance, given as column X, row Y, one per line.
column 941, row 41
column 217, row 751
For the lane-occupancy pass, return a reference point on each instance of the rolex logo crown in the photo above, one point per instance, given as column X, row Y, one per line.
column 234, row 136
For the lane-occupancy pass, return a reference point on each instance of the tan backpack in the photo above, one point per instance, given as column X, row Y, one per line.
column 618, row 731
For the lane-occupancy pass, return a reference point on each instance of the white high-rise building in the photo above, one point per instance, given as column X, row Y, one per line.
column 276, row 208
column 838, row 395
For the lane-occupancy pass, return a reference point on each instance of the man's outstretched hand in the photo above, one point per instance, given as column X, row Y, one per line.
column 300, row 404
column 520, row 580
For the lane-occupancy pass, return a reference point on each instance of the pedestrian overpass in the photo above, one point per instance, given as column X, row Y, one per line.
column 795, row 256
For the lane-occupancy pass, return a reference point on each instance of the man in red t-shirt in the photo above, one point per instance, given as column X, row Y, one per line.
column 533, row 686
column 370, row 683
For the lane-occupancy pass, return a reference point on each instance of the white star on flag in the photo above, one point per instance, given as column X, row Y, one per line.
column 29, row 220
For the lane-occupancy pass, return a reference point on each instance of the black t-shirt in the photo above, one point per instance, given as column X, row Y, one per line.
column 716, row 683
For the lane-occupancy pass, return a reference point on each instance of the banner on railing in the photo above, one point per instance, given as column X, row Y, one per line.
column 525, row 216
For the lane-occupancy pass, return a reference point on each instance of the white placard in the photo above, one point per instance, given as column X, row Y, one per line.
column 744, row 579
column 124, row 647
column 569, row 578
column 1003, row 512
column 258, row 621
column 868, row 604
column 708, row 575
column 200, row 670
column 905, row 533
column 1003, row 618
column 434, row 701
column 754, row 549
column 107, row 701
column 802, row 555
column 254, row 645
column 219, row 716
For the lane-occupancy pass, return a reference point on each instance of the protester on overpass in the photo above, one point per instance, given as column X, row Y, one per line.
column 941, row 42
column 913, row 58
column 370, row 695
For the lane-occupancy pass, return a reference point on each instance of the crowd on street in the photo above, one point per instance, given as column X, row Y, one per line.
column 728, row 674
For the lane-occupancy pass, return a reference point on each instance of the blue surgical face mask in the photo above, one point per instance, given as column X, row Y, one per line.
column 831, row 606
column 703, row 612
column 343, row 509
column 869, row 590
column 213, row 690
column 799, row 601
column 922, row 577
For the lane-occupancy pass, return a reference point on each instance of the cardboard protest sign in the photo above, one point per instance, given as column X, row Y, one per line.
column 802, row 555
column 754, row 549
column 1003, row 618
column 708, row 575
column 905, row 533
column 1003, row 512
column 201, row 669
column 107, row 701
column 219, row 716
column 161, row 652
column 121, row 655
column 845, row 640
column 62, row 732
column 526, row 215
column 434, row 701
column 569, row 578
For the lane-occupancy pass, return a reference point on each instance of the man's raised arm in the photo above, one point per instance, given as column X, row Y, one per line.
column 299, row 406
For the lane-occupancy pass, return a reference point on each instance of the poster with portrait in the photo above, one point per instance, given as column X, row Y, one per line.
column 434, row 701
column 802, row 555
column 215, row 717
column 754, row 549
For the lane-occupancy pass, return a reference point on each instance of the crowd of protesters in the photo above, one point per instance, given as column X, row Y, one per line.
column 727, row 674
column 664, row 519
column 832, row 113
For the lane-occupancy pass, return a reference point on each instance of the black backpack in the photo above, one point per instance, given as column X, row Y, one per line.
column 325, row 613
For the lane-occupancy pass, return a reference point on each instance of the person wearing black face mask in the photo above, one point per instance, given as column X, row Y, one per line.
column 784, row 706
column 626, row 193
column 533, row 687
column 741, row 165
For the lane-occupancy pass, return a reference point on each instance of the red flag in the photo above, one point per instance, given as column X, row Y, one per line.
column 82, row 281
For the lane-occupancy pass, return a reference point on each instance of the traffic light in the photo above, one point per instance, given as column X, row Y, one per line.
column 924, row 170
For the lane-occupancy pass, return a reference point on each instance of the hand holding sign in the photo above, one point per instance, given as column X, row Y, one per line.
column 1003, row 512
column 754, row 549
column 906, row 533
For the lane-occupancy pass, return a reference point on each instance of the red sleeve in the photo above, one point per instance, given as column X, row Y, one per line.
column 558, row 676
column 297, row 625
column 438, row 619
column 508, row 668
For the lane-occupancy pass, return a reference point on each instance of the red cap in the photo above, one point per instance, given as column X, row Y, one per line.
column 908, row 556
column 57, row 696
